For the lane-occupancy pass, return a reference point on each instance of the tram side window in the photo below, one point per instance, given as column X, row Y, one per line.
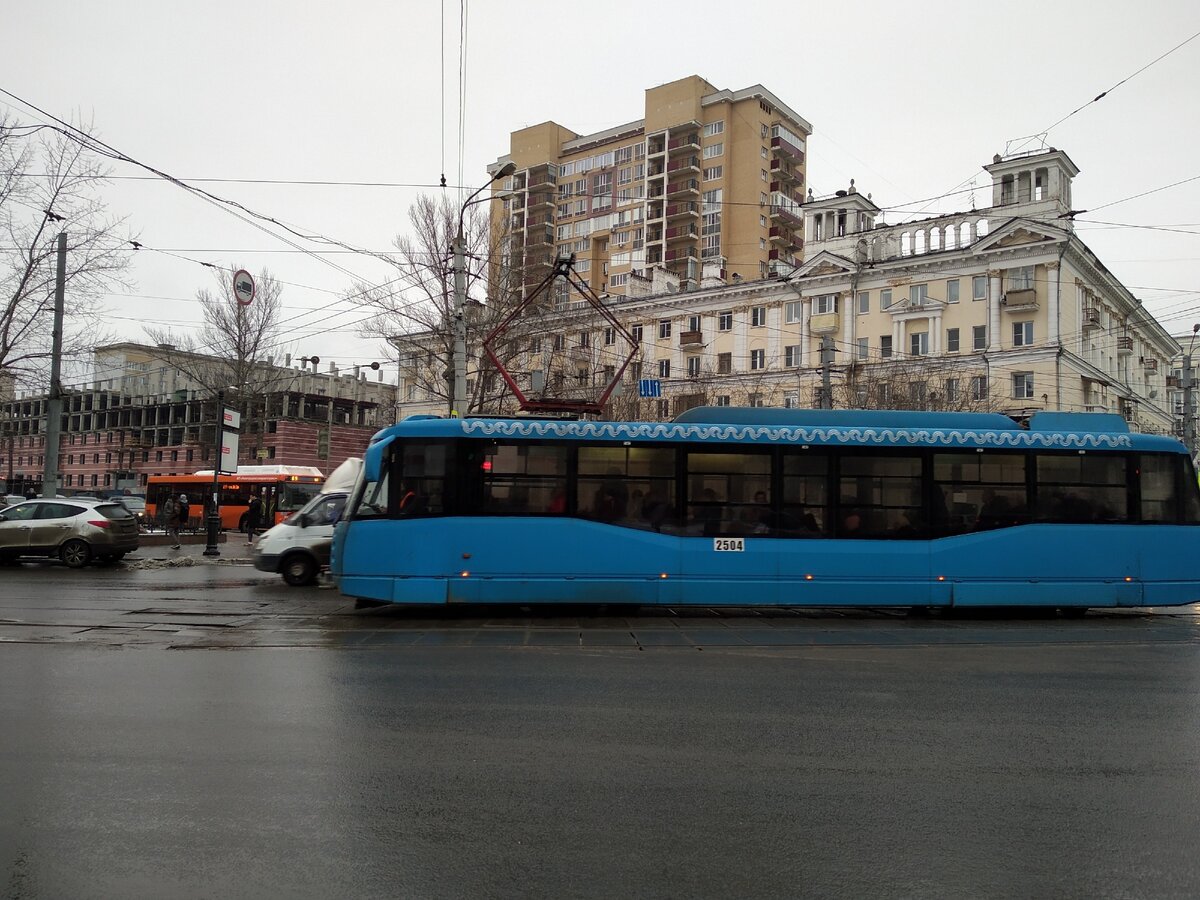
column 422, row 477
column 1081, row 488
column 1157, row 476
column 630, row 486
column 880, row 496
column 1191, row 492
column 524, row 479
column 805, row 495
column 728, row 493
column 975, row 491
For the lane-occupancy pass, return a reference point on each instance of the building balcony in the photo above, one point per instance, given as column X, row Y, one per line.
column 538, row 200
column 535, row 221
column 684, row 142
column 691, row 339
column 786, row 148
column 654, row 210
column 779, row 187
column 653, row 234
column 783, row 256
column 655, row 168
column 656, row 190
column 682, row 232
column 1150, row 365
column 683, row 164
column 784, row 217
column 1023, row 300
column 686, row 208
column 656, row 145
column 1172, row 381
column 825, row 323
column 780, row 170
column 1124, row 344
column 782, row 236
column 688, row 186
column 1091, row 317
column 681, row 254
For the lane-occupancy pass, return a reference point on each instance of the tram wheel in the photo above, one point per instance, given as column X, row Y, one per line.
column 1073, row 612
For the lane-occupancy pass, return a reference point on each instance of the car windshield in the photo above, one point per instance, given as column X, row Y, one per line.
column 317, row 508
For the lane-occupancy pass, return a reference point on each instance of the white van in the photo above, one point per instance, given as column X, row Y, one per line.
column 298, row 547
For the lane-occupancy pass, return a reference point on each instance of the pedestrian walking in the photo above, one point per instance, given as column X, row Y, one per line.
column 170, row 519
column 253, row 517
column 183, row 512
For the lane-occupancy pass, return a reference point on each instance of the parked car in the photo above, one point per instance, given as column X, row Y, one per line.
column 76, row 531
column 137, row 506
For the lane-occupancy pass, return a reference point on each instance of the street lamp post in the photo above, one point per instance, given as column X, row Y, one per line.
column 458, row 406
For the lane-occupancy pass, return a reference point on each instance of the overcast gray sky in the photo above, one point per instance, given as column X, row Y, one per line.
column 910, row 99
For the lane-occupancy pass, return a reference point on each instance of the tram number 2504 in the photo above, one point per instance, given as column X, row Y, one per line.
column 734, row 544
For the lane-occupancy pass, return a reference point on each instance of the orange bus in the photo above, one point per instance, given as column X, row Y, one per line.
column 282, row 489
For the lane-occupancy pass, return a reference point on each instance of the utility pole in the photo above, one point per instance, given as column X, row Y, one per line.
column 54, row 404
column 826, row 366
column 458, row 406
column 213, row 523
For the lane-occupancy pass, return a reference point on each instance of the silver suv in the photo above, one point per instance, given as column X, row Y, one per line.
column 76, row 531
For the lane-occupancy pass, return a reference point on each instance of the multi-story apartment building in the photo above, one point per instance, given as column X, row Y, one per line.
column 1002, row 308
column 142, row 415
column 708, row 180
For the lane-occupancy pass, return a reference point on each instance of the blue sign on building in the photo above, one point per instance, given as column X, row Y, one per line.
column 649, row 387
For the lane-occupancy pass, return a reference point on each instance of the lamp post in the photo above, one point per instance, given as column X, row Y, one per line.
column 458, row 406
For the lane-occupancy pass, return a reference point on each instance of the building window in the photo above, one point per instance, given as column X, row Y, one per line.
column 758, row 359
column 864, row 301
column 714, row 150
column 1020, row 279
column 664, row 329
column 791, row 355
column 585, row 339
column 885, row 346
column 637, row 333
column 918, row 294
column 754, row 400
column 1023, row 385
column 864, row 348
column 979, row 387
column 722, row 400
column 952, row 291
column 610, row 335
column 951, row 340
column 724, row 363
column 763, row 176
column 1022, row 334
column 558, row 342
column 713, row 173
column 664, row 368
column 791, row 312
column 693, row 366
column 979, row 287
column 725, row 321
column 758, row 317
column 885, row 298
column 714, row 128
column 825, row 303
column 951, row 390
column 918, row 343
column 979, row 337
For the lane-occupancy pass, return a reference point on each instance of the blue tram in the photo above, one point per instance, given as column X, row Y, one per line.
column 775, row 507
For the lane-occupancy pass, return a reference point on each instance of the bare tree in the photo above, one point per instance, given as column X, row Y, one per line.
column 49, row 184
column 923, row 383
column 414, row 313
column 235, row 347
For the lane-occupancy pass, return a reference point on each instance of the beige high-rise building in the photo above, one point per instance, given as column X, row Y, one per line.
column 707, row 185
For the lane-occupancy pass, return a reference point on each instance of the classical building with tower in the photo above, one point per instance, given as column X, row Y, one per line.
column 1002, row 308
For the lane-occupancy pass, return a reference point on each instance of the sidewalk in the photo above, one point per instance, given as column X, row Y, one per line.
column 157, row 546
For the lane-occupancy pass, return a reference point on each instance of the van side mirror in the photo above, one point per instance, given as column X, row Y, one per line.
column 305, row 520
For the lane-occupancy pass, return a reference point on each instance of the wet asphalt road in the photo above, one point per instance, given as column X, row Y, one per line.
column 207, row 732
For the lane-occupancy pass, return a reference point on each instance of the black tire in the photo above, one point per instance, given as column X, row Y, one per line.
column 75, row 554
column 298, row 569
column 112, row 557
column 1073, row 612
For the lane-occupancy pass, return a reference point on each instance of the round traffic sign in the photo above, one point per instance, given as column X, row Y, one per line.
column 243, row 287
